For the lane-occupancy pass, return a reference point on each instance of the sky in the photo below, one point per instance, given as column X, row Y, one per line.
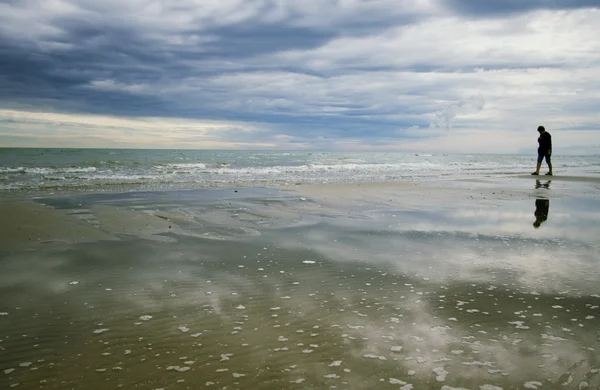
column 390, row 75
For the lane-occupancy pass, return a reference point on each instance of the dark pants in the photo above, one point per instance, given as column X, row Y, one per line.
column 541, row 156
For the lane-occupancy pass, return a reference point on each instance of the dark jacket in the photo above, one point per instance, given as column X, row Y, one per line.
column 545, row 141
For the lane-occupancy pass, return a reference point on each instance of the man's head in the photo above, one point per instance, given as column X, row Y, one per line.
column 541, row 129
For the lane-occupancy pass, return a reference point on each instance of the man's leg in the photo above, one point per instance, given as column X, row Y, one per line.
column 549, row 164
column 539, row 165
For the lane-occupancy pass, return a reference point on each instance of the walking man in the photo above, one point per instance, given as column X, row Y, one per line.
column 544, row 150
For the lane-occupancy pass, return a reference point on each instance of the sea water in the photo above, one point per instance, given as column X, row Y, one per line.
column 121, row 169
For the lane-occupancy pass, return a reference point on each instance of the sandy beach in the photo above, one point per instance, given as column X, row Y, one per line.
column 421, row 285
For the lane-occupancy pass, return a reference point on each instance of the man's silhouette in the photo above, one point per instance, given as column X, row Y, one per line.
column 544, row 150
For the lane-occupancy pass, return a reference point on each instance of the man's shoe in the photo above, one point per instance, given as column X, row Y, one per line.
column 534, row 173
column 549, row 174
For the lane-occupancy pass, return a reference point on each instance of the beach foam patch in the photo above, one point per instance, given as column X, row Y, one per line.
column 440, row 374
column 178, row 368
column 532, row 385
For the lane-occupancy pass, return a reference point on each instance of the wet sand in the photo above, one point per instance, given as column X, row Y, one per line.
column 440, row 285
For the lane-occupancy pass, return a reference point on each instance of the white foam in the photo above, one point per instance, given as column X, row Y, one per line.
column 145, row 318
column 182, row 166
column 8, row 370
column 25, row 364
column 240, row 307
column 178, row 368
column 195, row 335
column 553, row 338
column 236, row 375
column 480, row 364
column 532, row 384
column 298, row 381
column 489, row 387
column 74, row 282
column 518, row 324
column 99, row 331
column 309, row 262
column 396, row 348
column 440, row 373
column 372, row 356
column 331, row 376
column 394, row 381
column 335, row 363
column 184, row 329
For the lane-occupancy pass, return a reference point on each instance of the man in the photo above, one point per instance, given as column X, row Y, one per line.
column 544, row 150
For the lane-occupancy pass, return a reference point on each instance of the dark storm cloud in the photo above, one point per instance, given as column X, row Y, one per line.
column 54, row 70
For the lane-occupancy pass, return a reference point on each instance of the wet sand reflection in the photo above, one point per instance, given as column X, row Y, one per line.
column 242, row 296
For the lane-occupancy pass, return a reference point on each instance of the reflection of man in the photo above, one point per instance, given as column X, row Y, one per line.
column 538, row 184
column 541, row 211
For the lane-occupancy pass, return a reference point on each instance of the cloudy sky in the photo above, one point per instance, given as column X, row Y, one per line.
column 428, row 75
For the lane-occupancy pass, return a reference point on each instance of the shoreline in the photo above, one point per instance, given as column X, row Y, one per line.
column 60, row 218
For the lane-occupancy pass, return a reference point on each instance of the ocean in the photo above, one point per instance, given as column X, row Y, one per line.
column 122, row 169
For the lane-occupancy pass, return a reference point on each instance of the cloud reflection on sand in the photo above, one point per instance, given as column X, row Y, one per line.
column 392, row 298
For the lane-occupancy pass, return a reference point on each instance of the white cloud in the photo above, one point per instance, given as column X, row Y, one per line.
column 71, row 130
column 546, row 38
